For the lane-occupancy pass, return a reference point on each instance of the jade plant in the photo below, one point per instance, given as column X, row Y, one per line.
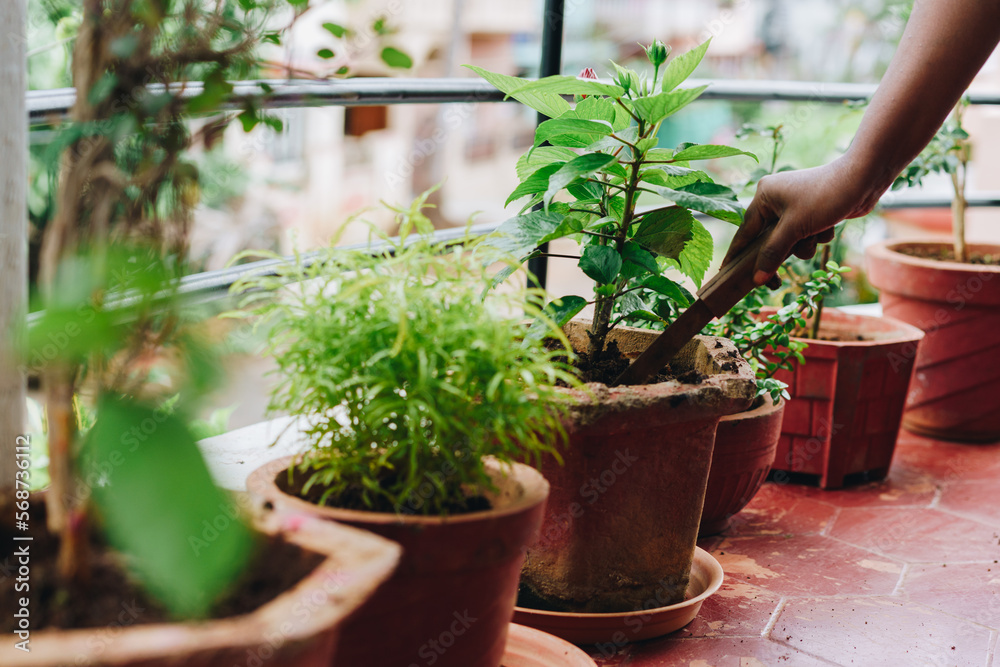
column 403, row 373
column 947, row 153
column 584, row 176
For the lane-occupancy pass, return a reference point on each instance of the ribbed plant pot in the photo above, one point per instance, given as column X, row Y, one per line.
column 623, row 514
column 299, row 628
column 955, row 394
column 452, row 598
column 745, row 445
column 847, row 399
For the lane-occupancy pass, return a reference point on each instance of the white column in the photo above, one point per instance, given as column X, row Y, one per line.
column 13, row 225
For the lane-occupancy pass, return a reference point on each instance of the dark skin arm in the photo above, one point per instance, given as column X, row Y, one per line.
column 944, row 45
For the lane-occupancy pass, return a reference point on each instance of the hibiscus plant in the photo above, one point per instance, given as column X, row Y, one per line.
column 583, row 177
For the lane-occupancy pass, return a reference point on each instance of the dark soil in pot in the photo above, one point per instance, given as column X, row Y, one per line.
column 946, row 253
column 275, row 568
column 611, row 363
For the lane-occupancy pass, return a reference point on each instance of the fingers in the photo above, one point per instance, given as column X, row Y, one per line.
column 774, row 252
column 753, row 225
column 825, row 236
column 805, row 248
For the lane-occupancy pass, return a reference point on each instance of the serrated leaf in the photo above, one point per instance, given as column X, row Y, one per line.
column 586, row 190
column 709, row 152
column 637, row 261
column 572, row 133
column 672, row 176
column 668, row 288
column 601, row 263
column 711, row 199
column 173, row 552
column 570, row 225
column 681, row 67
column 579, row 167
column 548, row 104
column 521, row 234
column 537, row 158
column 535, row 183
column 570, row 85
column 654, row 109
column 697, row 254
column 665, row 231
column 630, row 302
column 393, row 57
column 560, row 311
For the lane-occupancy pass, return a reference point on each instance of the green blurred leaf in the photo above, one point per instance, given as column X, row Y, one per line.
column 160, row 507
column 326, row 54
column 570, row 85
column 535, row 159
column 393, row 57
column 681, row 67
column 335, row 29
column 521, row 234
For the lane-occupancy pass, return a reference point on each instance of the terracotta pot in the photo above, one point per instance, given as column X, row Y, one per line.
column 452, row 597
column 955, row 394
column 297, row 629
column 745, row 444
column 622, row 519
column 847, row 399
column 930, row 220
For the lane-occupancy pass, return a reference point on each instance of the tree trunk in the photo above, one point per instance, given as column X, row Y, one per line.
column 13, row 229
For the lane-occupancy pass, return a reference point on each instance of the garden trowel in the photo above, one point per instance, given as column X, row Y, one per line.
column 733, row 282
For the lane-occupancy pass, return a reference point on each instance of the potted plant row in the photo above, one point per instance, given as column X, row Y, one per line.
column 952, row 293
column 132, row 555
column 620, row 527
column 421, row 405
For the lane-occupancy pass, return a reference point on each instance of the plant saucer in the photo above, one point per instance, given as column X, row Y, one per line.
column 624, row 627
column 528, row 647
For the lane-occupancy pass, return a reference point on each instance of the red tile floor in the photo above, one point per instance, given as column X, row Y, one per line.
column 898, row 573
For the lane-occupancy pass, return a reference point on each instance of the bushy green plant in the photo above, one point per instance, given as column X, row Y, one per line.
column 766, row 342
column 405, row 375
column 604, row 153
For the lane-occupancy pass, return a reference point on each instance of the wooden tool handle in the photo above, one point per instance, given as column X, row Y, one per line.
column 734, row 281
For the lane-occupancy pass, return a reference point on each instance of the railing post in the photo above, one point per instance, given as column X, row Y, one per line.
column 551, row 64
column 14, row 232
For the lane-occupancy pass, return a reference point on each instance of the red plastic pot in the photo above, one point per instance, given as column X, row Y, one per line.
column 955, row 393
column 622, row 520
column 745, row 445
column 847, row 399
column 452, row 597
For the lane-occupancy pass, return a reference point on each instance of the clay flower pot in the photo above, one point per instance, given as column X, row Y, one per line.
column 452, row 598
column 955, row 394
column 847, row 399
column 297, row 629
column 622, row 520
column 745, row 444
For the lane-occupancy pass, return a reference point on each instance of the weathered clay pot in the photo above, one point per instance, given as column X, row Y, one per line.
column 955, row 394
column 297, row 629
column 622, row 520
column 745, row 444
column 847, row 399
column 452, row 598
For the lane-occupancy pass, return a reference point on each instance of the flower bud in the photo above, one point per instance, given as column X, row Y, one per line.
column 657, row 53
column 588, row 73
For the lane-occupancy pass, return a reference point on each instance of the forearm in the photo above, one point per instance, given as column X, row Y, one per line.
column 944, row 45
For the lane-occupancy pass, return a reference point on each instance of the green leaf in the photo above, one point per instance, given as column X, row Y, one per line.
column 570, row 85
column 711, row 199
column 697, row 253
column 520, row 235
column 537, row 158
column 601, row 263
column 600, row 108
column 124, row 46
column 645, row 315
column 572, row 133
column 654, row 109
column 535, row 183
column 272, row 38
column 672, row 176
column 637, row 260
column 393, row 57
column 215, row 90
column 681, row 67
column 326, row 54
column 548, row 104
column 570, row 225
column 630, row 302
column 560, row 311
column 183, row 535
column 709, row 152
column 103, row 88
column 335, row 29
column 668, row 288
column 665, row 231
column 580, row 167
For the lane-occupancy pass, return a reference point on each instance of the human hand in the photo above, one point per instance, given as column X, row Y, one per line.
column 802, row 207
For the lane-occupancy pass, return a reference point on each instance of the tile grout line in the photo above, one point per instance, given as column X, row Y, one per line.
column 897, row 591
